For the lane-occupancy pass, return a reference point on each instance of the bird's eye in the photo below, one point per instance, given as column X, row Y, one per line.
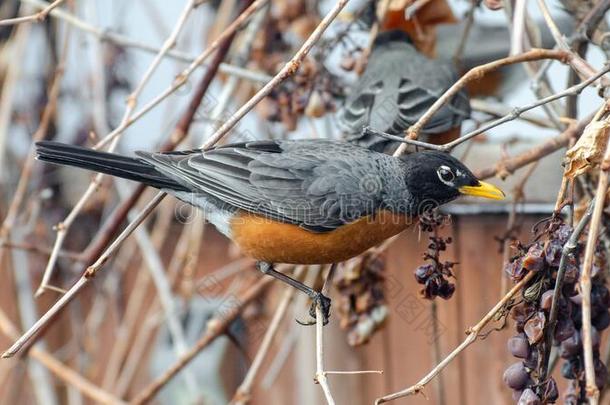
column 445, row 174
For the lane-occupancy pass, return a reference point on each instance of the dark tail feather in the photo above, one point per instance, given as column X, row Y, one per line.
column 103, row 162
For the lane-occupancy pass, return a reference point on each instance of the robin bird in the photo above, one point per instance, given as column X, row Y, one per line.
column 397, row 87
column 310, row 201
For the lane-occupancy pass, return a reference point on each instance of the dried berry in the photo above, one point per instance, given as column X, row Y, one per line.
column 431, row 289
column 515, row 269
column 601, row 320
column 564, row 329
column 362, row 304
column 544, row 257
column 433, row 275
column 423, row 272
column 571, row 346
column 446, row 290
column 518, row 346
column 601, row 373
column 516, row 377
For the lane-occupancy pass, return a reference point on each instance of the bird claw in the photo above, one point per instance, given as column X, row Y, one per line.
column 324, row 303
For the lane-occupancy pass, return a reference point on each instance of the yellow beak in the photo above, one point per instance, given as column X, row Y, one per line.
column 484, row 190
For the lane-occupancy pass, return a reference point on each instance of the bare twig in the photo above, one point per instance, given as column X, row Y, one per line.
column 320, row 377
column 585, row 276
column 499, row 110
column 26, row 171
column 38, row 17
column 82, row 282
column 568, row 249
column 576, row 61
column 356, row 372
column 60, row 370
column 514, row 114
column 243, row 392
column 473, row 334
column 474, row 74
column 508, row 166
column 216, row 327
column 128, row 118
column 518, row 197
column 459, row 50
column 124, row 41
column 518, row 27
column 288, row 70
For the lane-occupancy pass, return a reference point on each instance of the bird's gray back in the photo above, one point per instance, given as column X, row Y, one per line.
column 316, row 184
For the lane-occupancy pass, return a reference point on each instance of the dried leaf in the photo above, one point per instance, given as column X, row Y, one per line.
column 421, row 27
column 315, row 106
column 303, row 26
column 588, row 150
column 534, row 328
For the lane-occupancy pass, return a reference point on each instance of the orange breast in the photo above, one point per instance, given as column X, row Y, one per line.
column 278, row 242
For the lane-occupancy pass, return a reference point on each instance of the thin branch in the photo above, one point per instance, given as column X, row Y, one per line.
column 514, row 114
column 475, row 74
column 215, row 328
column 320, row 377
column 518, row 27
column 63, row 372
column 183, row 76
column 473, row 334
column 82, row 282
column 459, row 50
column 508, row 166
column 585, row 276
column 26, row 171
column 356, row 372
column 567, row 250
column 288, row 70
column 126, row 42
column 243, row 392
column 498, row 110
column 127, row 119
column 580, row 65
column 34, row 18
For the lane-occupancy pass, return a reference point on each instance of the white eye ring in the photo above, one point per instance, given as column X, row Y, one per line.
column 445, row 175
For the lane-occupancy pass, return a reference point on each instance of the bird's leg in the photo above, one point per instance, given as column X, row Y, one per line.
column 317, row 297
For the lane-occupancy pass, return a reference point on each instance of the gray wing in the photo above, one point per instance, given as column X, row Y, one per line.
column 397, row 87
column 316, row 184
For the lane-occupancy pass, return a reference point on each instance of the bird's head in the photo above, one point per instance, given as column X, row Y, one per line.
column 436, row 178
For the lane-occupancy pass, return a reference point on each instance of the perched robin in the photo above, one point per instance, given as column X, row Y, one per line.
column 397, row 87
column 311, row 201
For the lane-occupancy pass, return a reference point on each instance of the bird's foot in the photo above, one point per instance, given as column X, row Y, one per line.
column 324, row 303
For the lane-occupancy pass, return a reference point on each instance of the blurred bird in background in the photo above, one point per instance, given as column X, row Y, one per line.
column 397, row 87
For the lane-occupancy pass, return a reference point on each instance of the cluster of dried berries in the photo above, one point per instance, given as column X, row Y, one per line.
column 362, row 306
column 308, row 92
column 571, row 348
column 529, row 377
column 434, row 274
